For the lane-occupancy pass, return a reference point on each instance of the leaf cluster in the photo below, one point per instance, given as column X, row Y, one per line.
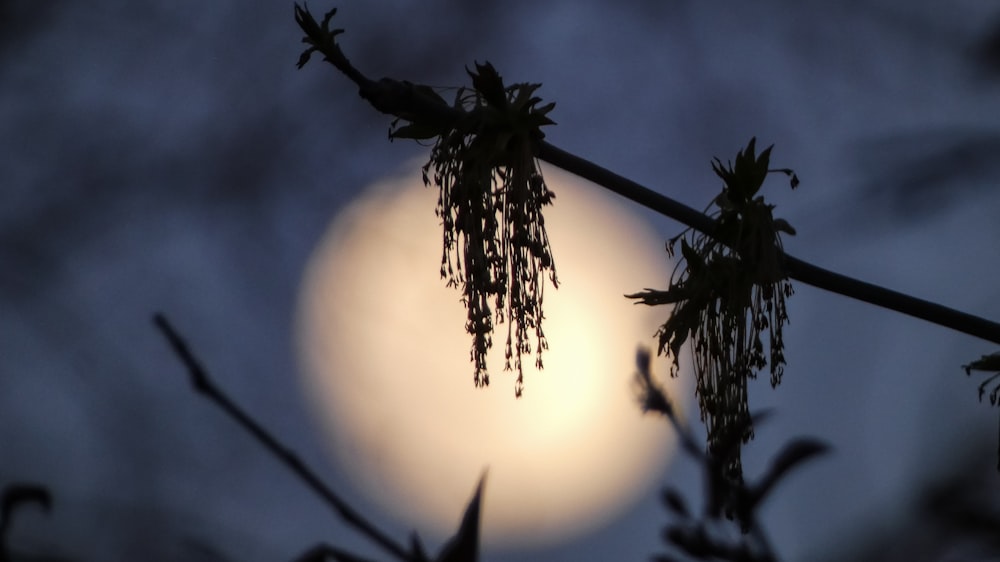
column 321, row 38
column 728, row 297
column 505, row 114
column 744, row 178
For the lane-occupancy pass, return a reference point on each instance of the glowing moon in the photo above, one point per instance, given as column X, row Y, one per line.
column 387, row 368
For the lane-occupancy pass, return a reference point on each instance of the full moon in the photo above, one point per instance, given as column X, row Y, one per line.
column 386, row 369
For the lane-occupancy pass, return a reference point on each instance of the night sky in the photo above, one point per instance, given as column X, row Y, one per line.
column 169, row 157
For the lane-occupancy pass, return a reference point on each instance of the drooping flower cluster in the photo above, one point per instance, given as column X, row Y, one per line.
column 730, row 293
column 491, row 194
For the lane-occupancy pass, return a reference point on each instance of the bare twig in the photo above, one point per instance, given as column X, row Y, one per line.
column 203, row 384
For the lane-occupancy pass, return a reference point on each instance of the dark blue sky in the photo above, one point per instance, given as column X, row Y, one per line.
column 169, row 156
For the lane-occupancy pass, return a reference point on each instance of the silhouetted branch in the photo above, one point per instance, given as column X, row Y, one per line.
column 797, row 269
column 203, row 384
column 411, row 102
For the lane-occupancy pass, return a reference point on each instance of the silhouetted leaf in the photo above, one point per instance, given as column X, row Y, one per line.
column 415, row 131
column 695, row 262
column 989, row 362
column 464, row 546
column 317, row 35
column 427, row 94
column 792, row 455
column 417, row 548
column 782, row 225
column 760, row 167
column 675, row 502
column 651, row 396
column 653, row 297
column 486, row 80
column 304, row 57
column 643, row 361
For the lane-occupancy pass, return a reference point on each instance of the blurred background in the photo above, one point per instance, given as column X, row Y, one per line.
column 168, row 156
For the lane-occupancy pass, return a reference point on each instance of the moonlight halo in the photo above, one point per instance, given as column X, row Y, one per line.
column 386, row 368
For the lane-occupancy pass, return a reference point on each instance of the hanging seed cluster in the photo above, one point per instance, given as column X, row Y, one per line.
column 728, row 298
column 491, row 194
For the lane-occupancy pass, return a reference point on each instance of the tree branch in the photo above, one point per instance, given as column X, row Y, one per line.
column 797, row 269
column 405, row 100
column 203, row 384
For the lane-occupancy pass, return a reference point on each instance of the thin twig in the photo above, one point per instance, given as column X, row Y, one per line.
column 203, row 384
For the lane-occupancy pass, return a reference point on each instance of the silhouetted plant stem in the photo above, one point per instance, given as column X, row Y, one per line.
column 203, row 384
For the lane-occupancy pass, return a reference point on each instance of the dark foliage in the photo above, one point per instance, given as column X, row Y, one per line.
column 729, row 295
column 709, row 535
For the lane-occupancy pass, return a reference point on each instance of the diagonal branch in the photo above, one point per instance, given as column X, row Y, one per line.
column 408, row 101
column 797, row 269
column 203, row 384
